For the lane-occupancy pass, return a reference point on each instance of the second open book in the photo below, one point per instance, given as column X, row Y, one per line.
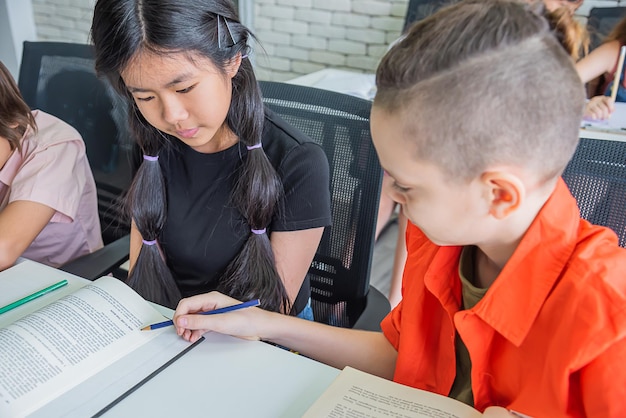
column 356, row 394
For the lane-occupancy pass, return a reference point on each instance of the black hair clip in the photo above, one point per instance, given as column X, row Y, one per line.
column 219, row 32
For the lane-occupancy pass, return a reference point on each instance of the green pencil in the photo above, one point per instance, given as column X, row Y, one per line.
column 35, row 295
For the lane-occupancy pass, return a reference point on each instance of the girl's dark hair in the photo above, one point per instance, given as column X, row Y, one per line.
column 13, row 110
column 210, row 28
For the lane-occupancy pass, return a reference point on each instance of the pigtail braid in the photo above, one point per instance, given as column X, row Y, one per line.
column 257, row 192
column 150, row 276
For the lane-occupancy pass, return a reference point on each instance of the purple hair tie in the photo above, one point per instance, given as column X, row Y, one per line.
column 150, row 157
column 149, row 242
column 243, row 57
column 255, row 146
column 258, row 231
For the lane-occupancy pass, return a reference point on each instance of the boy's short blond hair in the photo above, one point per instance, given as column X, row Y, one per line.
column 483, row 83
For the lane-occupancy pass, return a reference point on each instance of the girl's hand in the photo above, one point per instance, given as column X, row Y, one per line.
column 599, row 108
column 240, row 323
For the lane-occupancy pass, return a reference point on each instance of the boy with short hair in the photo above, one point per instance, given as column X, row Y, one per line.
column 509, row 297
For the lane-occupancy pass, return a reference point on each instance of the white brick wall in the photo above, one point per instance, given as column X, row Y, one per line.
column 347, row 34
column 63, row 20
column 297, row 36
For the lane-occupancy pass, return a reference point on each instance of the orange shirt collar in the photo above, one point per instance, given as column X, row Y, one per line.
column 515, row 298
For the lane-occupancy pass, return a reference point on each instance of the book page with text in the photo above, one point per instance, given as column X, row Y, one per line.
column 356, row 394
column 57, row 347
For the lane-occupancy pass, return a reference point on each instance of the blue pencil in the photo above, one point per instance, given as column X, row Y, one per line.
column 248, row 304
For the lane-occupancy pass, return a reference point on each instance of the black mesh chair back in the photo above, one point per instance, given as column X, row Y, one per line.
column 596, row 176
column 601, row 21
column 419, row 9
column 340, row 124
column 59, row 78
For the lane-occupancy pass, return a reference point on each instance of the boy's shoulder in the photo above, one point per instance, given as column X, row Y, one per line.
column 598, row 264
column 586, row 309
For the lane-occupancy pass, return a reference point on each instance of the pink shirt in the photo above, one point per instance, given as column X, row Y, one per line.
column 52, row 169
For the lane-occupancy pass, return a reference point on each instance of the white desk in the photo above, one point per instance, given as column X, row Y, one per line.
column 222, row 377
column 604, row 135
column 227, row 377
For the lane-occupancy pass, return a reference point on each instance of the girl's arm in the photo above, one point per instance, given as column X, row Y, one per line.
column 338, row 347
column 293, row 252
column 601, row 60
column 20, row 223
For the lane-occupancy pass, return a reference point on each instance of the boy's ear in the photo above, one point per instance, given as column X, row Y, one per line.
column 505, row 191
column 233, row 66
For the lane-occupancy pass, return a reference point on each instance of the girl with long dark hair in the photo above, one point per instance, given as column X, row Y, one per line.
column 228, row 196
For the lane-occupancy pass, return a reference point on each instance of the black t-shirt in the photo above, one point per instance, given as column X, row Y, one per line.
column 204, row 231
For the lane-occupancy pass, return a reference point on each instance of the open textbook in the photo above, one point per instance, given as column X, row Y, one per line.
column 78, row 355
column 356, row 394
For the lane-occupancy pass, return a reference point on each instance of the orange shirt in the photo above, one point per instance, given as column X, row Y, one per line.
column 549, row 337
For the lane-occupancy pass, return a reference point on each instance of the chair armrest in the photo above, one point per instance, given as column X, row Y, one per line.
column 100, row 262
column 376, row 308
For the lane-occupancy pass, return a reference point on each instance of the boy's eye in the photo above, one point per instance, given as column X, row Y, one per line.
column 187, row 90
column 400, row 188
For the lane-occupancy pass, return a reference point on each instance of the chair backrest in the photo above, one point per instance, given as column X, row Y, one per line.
column 596, row 176
column 419, row 9
column 601, row 21
column 340, row 124
column 59, row 78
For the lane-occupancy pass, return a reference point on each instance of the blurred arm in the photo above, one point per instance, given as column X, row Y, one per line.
column 20, row 223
